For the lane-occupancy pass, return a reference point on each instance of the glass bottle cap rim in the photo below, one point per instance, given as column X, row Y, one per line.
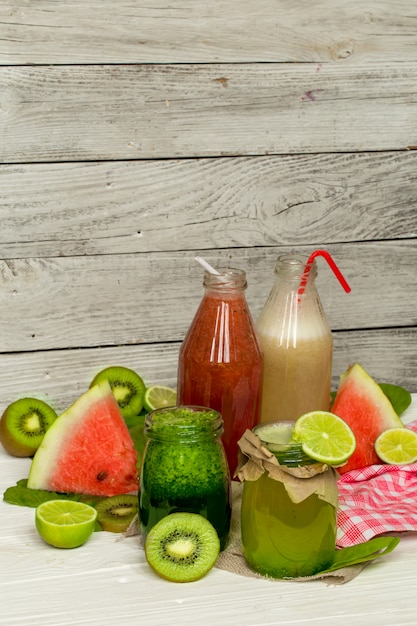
column 277, row 438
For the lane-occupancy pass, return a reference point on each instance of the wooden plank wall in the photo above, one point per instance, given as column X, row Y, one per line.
column 134, row 135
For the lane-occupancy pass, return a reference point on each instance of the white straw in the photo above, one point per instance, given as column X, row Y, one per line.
column 206, row 265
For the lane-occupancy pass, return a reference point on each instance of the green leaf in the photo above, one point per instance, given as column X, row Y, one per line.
column 138, row 437
column 363, row 552
column 21, row 495
column 399, row 397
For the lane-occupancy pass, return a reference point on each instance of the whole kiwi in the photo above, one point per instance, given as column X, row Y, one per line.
column 24, row 424
column 182, row 547
column 127, row 386
column 116, row 513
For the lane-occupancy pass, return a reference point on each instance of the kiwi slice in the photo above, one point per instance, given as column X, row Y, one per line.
column 24, row 424
column 127, row 386
column 116, row 513
column 182, row 547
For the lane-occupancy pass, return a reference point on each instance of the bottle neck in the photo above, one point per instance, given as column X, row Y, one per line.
column 290, row 268
column 229, row 280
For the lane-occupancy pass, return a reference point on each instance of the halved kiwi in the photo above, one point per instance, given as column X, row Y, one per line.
column 24, row 424
column 182, row 547
column 127, row 386
column 116, row 513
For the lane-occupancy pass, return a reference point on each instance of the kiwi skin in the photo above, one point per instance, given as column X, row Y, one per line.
column 182, row 547
column 116, row 513
column 127, row 387
column 24, row 424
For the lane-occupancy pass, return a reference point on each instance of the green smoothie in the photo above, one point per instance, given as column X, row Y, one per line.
column 185, row 469
column 282, row 539
column 288, row 514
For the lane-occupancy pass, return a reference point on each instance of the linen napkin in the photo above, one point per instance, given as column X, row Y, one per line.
column 375, row 500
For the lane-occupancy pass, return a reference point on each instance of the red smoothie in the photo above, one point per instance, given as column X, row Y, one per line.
column 220, row 362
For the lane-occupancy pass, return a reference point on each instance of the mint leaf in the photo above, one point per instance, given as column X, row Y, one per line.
column 21, row 495
column 399, row 397
column 363, row 552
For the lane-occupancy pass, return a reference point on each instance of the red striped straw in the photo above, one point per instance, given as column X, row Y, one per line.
column 333, row 266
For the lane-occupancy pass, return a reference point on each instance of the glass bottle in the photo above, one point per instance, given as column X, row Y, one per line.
column 184, row 468
column 297, row 344
column 287, row 528
column 220, row 360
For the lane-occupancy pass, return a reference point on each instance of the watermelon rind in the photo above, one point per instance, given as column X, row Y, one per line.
column 363, row 405
column 87, row 449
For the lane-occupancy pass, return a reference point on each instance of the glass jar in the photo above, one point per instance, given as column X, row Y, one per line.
column 288, row 515
column 220, row 360
column 184, row 468
column 297, row 344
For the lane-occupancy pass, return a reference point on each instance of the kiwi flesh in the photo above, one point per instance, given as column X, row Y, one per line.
column 127, row 386
column 24, row 424
column 116, row 513
column 182, row 547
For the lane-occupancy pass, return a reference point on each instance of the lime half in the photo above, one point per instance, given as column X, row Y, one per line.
column 159, row 397
column 64, row 523
column 397, row 446
column 325, row 437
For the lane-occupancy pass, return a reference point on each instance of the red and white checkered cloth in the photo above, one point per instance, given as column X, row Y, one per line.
column 377, row 499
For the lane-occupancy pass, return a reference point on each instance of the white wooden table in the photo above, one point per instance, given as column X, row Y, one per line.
column 108, row 582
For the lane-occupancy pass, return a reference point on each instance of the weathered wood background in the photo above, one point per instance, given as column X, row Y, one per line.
column 134, row 135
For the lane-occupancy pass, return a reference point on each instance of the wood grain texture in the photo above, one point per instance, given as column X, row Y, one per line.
column 95, row 112
column 70, row 209
column 60, row 376
column 136, row 135
column 182, row 31
column 72, row 302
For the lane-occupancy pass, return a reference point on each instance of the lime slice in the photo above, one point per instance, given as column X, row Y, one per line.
column 325, row 437
column 158, row 397
column 64, row 523
column 397, row 446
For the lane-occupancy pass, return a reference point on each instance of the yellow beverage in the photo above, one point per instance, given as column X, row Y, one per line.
column 296, row 376
column 297, row 345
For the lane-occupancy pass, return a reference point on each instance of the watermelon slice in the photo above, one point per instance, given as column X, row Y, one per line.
column 363, row 405
column 88, row 450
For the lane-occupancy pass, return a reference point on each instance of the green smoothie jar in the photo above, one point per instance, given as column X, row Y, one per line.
column 184, row 468
column 289, row 503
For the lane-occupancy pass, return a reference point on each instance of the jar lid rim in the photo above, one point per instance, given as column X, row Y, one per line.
column 277, row 438
column 183, row 421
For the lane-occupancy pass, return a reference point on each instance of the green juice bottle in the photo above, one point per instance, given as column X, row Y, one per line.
column 288, row 515
column 184, row 468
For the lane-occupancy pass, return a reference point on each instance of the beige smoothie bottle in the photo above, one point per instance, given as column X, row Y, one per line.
column 297, row 344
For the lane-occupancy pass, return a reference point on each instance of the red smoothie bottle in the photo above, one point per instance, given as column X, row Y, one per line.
column 220, row 362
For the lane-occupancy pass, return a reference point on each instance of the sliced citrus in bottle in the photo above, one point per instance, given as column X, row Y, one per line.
column 158, row 397
column 65, row 523
column 325, row 437
column 397, row 446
